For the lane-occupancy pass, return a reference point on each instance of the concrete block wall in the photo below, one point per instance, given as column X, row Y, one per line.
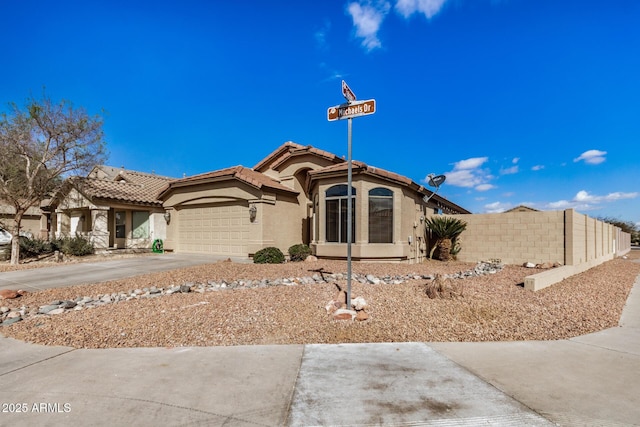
column 566, row 237
column 514, row 237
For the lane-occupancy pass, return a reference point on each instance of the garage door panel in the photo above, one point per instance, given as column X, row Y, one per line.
column 217, row 229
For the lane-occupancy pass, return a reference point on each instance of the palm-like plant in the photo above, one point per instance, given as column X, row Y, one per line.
column 446, row 230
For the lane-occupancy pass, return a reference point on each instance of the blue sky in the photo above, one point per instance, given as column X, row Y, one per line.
column 532, row 102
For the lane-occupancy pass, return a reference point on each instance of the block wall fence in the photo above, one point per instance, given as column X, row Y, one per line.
column 574, row 240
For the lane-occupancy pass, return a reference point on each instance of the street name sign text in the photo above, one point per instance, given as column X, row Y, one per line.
column 351, row 110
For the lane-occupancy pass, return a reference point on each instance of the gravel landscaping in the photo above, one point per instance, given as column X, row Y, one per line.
column 254, row 310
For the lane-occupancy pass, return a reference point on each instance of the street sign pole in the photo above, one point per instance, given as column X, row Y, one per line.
column 349, row 211
column 351, row 109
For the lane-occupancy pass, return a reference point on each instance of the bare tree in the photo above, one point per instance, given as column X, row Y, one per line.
column 40, row 146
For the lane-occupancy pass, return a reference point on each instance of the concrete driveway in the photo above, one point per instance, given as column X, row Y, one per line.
column 101, row 271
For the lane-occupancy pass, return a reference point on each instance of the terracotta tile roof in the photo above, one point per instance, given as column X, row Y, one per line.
column 291, row 149
column 241, row 173
column 7, row 209
column 360, row 167
column 126, row 186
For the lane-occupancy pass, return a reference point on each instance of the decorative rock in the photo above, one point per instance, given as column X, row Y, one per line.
column 358, row 303
column 13, row 314
column 361, row 316
column 372, row 279
column 337, row 306
column 11, row 321
column 344, row 314
column 332, row 306
column 45, row 309
column 56, row 311
column 8, row 294
column 529, row 265
column 68, row 304
column 311, row 258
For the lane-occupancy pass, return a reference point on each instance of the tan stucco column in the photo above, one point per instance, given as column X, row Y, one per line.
column 100, row 227
column 63, row 223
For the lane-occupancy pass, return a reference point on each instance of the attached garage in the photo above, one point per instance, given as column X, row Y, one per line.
column 217, row 229
column 232, row 212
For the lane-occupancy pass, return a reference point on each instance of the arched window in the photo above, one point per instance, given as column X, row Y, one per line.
column 380, row 215
column 336, row 213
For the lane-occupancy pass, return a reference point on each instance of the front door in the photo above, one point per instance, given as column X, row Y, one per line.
column 121, row 229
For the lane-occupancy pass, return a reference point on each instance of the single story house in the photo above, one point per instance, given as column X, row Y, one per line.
column 298, row 194
column 114, row 207
column 33, row 223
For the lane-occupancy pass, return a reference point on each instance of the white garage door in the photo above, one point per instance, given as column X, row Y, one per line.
column 218, row 230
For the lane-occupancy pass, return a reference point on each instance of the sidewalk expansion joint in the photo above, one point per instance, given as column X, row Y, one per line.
column 37, row 362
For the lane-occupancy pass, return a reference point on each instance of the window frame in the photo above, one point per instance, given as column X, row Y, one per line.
column 334, row 223
column 120, row 224
column 382, row 232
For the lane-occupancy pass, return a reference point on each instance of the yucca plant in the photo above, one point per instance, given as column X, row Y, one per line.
column 446, row 230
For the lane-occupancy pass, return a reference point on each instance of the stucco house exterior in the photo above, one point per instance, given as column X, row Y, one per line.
column 298, row 194
column 33, row 223
column 114, row 207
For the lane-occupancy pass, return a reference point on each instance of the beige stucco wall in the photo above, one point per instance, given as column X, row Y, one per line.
column 29, row 224
column 34, row 221
column 408, row 243
column 278, row 223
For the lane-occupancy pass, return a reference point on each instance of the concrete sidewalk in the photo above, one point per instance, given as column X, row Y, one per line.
column 586, row 381
column 591, row 380
column 101, row 271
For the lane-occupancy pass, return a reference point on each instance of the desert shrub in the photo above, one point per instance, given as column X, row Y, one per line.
column 299, row 252
column 270, row 255
column 35, row 247
column 446, row 230
column 77, row 246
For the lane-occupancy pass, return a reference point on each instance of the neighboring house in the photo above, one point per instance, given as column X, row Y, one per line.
column 521, row 208
column 114, row 207
column 34, row 222
column 298, row 194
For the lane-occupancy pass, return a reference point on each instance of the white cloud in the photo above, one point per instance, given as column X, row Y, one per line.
column 496, row 207
column 469, row 174
column 515, row 160
column 585, row 201
column 429, row 8
column 485, row 187
column 367, row 18
column 509, row 171
column 592, row 157
column 471, row 163
column 537, row 167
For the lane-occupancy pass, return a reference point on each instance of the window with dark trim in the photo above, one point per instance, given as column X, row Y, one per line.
column 121, row 218
column 380, row 215
column 336, row 214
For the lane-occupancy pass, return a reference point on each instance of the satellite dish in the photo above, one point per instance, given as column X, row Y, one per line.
column 437, row 180
column 434, row 181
